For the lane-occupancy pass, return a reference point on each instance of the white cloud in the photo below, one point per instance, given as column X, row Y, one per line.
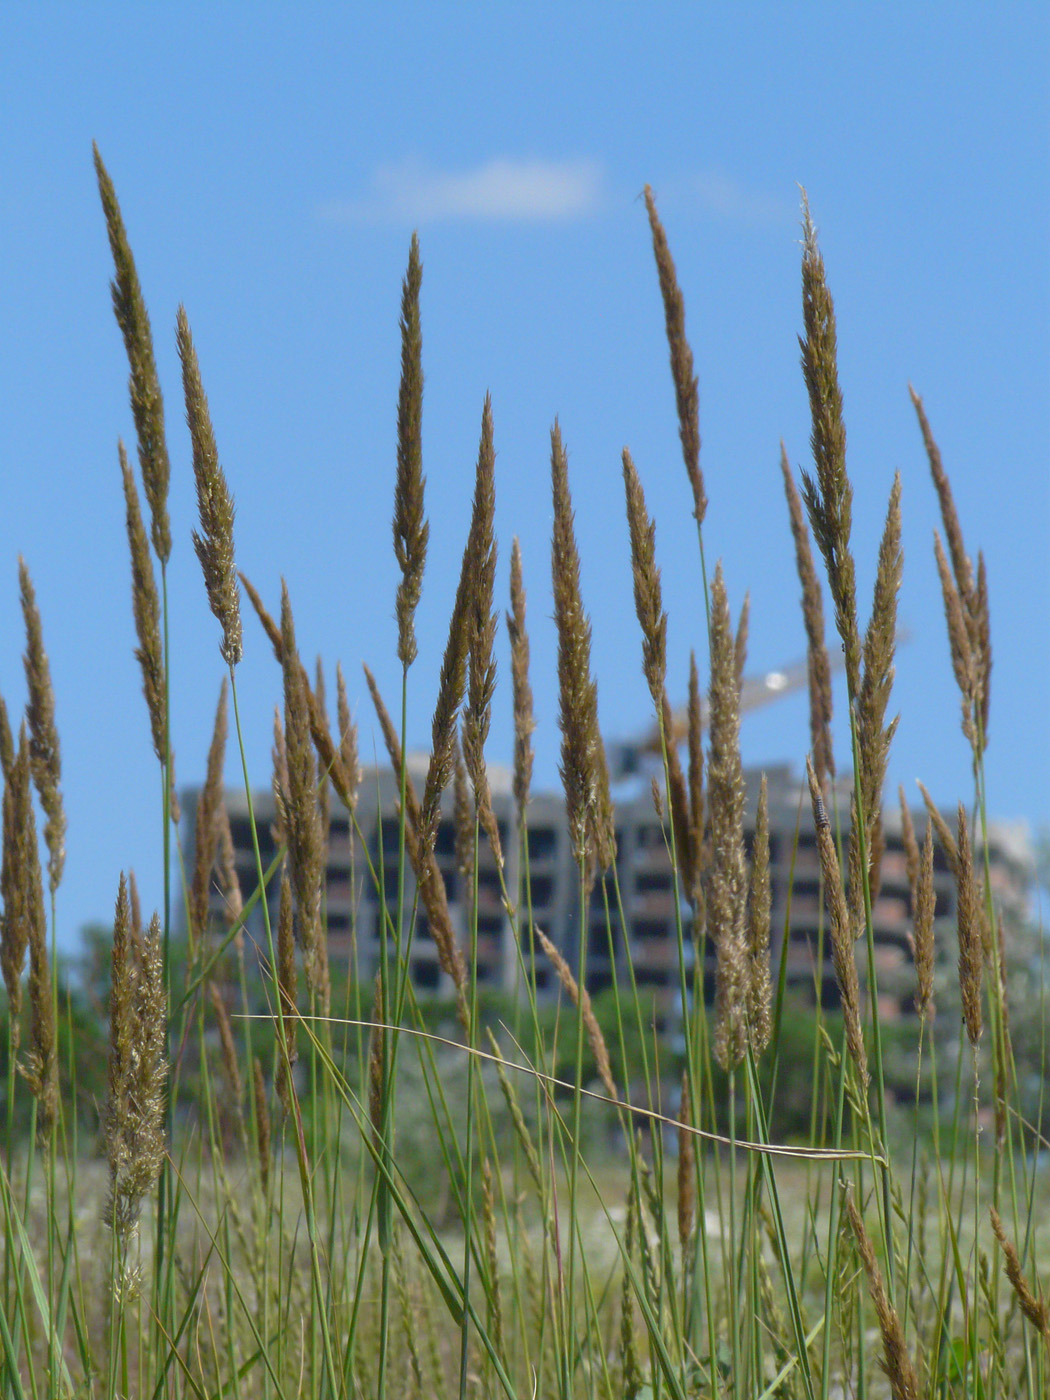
column 730, row 199
column 520, row 191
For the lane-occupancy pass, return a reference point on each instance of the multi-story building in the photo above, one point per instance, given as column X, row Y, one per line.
column 637, row 922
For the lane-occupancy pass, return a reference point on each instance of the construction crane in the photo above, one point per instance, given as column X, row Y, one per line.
column 628, row 757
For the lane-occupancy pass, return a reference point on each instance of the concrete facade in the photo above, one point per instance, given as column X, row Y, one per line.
column 640, row 927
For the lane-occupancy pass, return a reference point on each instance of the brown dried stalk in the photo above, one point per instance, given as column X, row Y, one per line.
column 451, row 685
column 206, row 828
column 145, row 604
column 842, row 941
column 147, row 403
column 324, row 791
column 968, row 914
column 303, row 815
column 347, row 743
column 873, row 738
column 727, row 887
column 393, row 745
column 524, row 723
column 14, row 927
column 694, row 883
column 343, row 779
column 1034, row 1309
column 279, row 782
column 270, row 627
column 686, row 388
column 424, row 863
column 287, row 985
column 463, row 824
column 214, row 543
column 7, row 747
column 41, row 1066
column 760, row 986
column 580, row 998
column 898, row 1365
column 818, row 665
column 740, row 642
column 910, row 843
column 648, row 604
column 482, row 620
column 965, row 602
column 136, row 915
column 134, row 1113
column 411, row 530
column 828, row 496
column 648, row 597
column 925, row 904
column 584, row 772
column 943, row 830
column 44, row 749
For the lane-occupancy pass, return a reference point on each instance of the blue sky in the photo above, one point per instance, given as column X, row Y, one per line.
column 271, row 167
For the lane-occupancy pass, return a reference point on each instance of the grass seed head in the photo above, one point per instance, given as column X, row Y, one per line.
column 351, row 764
column 45, row 752
column 828, row 495
column 303, row 816
column 842, row 932
column 134, row 1115
column 214, row 542
column 694, row 736
column 727, row 889
column 14, row 926
column 7, row 744
column 147, row 402
column 818, row 664
column 411, row 531
column 969, row 916
column 288, row 989
column 481, row 633
column 686, row 386
column 925, row 906
column 524, row 723
column 760, row 986
column 584, row 771
column 1034, row 1309
column 897, row 1363
column 145, row 603
column 206, row 826
column 580, row 998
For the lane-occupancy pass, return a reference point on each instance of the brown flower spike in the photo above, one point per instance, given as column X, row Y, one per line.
column 214, row 543
column 147, row 403
column 411, row 530
column 727, row 892
column 584, row 771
